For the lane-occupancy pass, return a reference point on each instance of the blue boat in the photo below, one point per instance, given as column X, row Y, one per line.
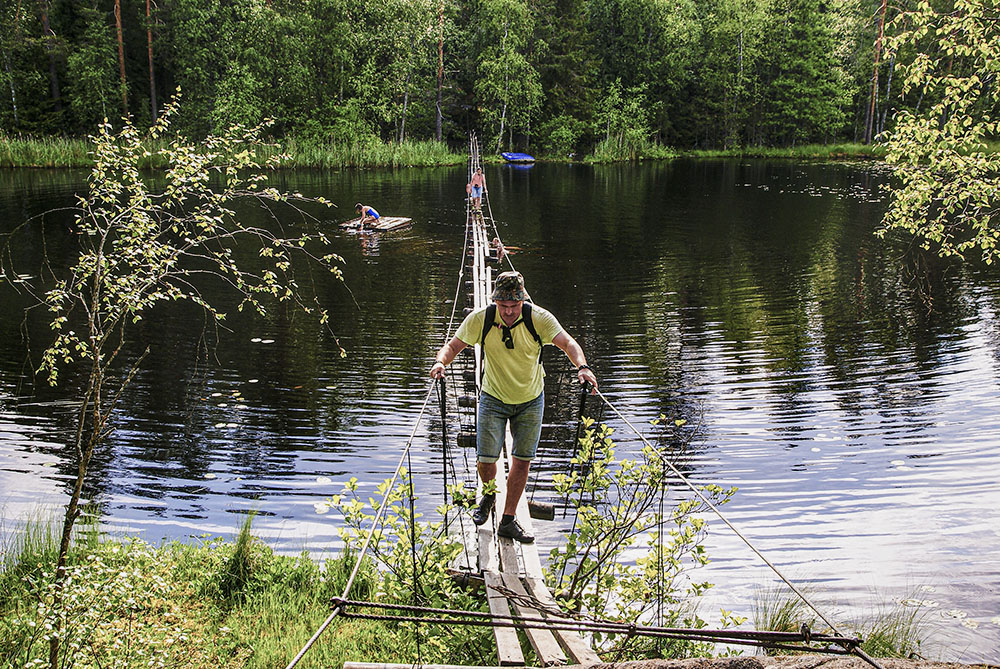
column 518, row 157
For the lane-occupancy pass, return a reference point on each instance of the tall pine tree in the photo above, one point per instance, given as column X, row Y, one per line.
column 807, row 95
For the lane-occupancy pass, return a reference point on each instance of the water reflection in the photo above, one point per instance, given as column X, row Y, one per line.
column 850, row 393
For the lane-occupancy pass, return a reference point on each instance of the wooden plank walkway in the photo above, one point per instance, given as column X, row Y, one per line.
column 515, row 567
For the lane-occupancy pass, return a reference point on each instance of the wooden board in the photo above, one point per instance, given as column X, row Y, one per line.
column 384, row 224
column 573, row 642
column 508, row 647
column 542, row 640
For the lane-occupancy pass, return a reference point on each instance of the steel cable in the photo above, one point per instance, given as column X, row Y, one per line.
column 768, row 639
column 729, row 524
column 371, row 532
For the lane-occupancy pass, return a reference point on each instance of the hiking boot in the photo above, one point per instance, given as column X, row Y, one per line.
column 513, row 530
column 482, row 513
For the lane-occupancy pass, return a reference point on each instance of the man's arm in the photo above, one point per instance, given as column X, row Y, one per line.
column 445, row 356
column 575, row 354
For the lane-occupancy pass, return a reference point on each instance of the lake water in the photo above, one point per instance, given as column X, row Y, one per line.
column 850, row 392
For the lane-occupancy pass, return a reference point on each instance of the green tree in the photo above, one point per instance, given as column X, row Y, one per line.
column 411, row 32
column 649, row 44
column 91, row 66
column 508, row 87
column 624, row 117
column 140, row 249
column 806, row 95
column 567, row 68
column 728, row 82
column 947, row 193
column 16, row 77
column 193, row 53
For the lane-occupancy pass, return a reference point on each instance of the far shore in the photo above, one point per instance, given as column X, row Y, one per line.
column 74, row 153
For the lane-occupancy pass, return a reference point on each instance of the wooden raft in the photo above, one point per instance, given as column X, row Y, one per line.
column 384, row 224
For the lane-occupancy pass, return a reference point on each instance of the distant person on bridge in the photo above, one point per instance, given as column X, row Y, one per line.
column 476, row 187
column 512, row 387
column 368, row 215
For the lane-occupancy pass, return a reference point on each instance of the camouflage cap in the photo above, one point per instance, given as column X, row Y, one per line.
column 509, row 286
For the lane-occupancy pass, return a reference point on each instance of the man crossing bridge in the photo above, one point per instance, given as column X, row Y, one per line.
column 513, row 387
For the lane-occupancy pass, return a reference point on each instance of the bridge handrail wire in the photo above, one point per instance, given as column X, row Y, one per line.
column 729, row 524
column 594, row 624
column 337, row 610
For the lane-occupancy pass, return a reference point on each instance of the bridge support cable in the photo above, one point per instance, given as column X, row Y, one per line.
column 376, row 523
column 855, row 650
column 808, row 641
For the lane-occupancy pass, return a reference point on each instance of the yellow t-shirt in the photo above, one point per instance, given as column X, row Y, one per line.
column 513, row 376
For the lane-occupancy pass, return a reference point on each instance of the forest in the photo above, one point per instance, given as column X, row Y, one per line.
column 555, row 76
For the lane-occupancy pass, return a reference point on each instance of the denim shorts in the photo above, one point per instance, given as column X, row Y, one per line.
column 525, row 427
column 477, row 191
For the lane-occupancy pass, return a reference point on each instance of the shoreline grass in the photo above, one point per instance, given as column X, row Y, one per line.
column 845, row 151
column 212, row 604
column 217, row 604
column 894, row 629
column 58, row 152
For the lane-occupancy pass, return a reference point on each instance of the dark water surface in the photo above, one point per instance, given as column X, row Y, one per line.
column 849, row 392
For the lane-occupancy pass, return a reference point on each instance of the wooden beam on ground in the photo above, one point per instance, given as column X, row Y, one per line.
column 542, row 640
column 508, row 646
column 573, row 642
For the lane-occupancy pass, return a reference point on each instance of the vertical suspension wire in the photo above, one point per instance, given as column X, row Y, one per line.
column 444, row 446
column 583, row 469
column 413, row 551
column 660, row 559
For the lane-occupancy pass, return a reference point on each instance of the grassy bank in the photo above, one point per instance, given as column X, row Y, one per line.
column 805, row 152
column 371, row 154
column 210, row 604
column 213, row 604
column 17, row 151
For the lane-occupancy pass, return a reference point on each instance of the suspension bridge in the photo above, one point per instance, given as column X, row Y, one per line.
column 510, row 572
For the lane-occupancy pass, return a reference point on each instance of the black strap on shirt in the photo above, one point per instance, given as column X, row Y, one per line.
column 490, row 320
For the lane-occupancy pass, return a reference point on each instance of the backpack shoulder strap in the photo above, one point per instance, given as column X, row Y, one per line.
column 488, row 320
column 529, row 323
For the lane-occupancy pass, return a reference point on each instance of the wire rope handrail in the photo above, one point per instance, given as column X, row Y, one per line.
column 729, row 524
column 371, row 532
column 562, row 621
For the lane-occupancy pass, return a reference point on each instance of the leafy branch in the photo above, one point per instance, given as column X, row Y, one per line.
column 140, row 247
column 621, row 507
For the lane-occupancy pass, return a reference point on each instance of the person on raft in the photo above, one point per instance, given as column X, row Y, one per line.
column 368, row 215
column 512, row 387
column 476, row 187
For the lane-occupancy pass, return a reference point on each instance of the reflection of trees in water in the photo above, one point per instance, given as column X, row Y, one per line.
column 762, row 275
column 882, row 319
column 673, row 276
